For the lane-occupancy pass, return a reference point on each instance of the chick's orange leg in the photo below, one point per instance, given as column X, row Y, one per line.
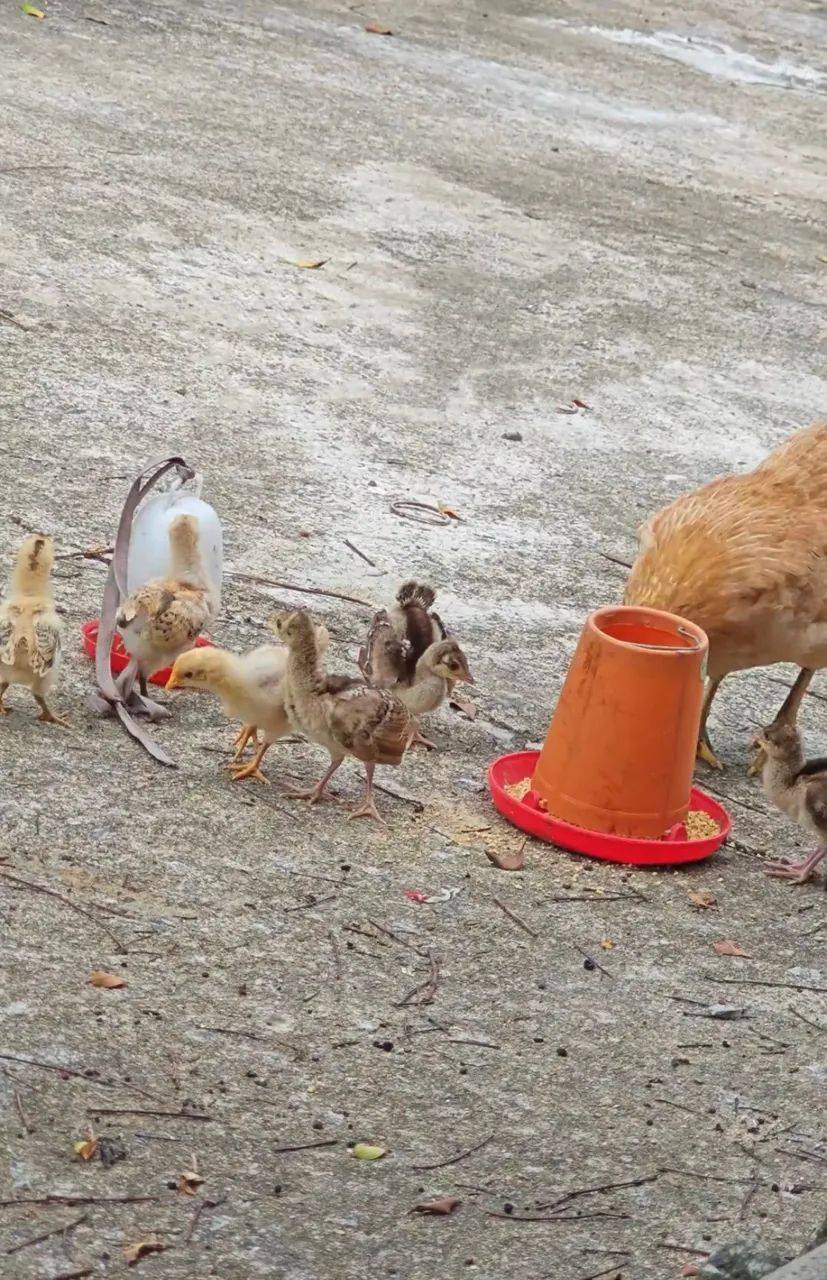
column 704, row 751
column 796, row 872
column 314, row 794
column 367, row 809
column 4, row 711
column 252, row 769
column 248, row 732
column 47, row 715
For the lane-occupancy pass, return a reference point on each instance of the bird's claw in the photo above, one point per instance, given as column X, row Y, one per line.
column 708, row 756
column 795, row 872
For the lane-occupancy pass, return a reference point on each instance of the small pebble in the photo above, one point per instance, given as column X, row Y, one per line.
column 512, row 435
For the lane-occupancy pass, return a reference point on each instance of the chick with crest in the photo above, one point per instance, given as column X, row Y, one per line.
column 250, row 687
column 30, row 629
column 163, row 619
column 344, row 714
column 408, row 651
column 798, row 787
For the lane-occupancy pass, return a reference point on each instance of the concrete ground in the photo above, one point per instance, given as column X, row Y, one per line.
column 519, row 205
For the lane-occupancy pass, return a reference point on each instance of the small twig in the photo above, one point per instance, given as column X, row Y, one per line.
column 704, row 1177
column 305, row 1146
column 417, row 805
column 624, row 564
column 419, row 512
column 512, row 915
column 54, row 1066
column 202, row 1208
column 681, row 1248
column 667, row 1102
column 480, row 1044
column 79, row 1200
column 596, row 963
column 46, row 1235
column 135, row 1111
column 609, row 1271
column 359, row 553
column 461, row 1155
column 556, row 1217
column 591, row 897
column 802, row 1155
column 306, row 906
column 52, row 893
column 816, row 1025
column 601, row 1186
column 230, row 1031
column 337, row 955
column 763, row 982
column 425, row 990
column 395, row 937
column 291, row 586
column 18, row 1102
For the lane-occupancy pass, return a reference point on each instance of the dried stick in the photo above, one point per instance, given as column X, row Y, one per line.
column 461, row 1155
column 292, row 586
column 512, row 915
column 52, row 893
column 46, row 1235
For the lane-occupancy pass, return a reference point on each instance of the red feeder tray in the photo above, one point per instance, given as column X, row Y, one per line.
column 119, row 658
column 528, row 816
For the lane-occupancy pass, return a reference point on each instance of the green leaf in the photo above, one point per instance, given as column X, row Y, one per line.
column 32, row 11
column 364, row 1151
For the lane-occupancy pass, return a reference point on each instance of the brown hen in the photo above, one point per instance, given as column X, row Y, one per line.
column 745, row 557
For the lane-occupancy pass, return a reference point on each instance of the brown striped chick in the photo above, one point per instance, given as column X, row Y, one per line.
column 346, row 715
column 799, row 788
column 30, row 630
column 163, row 619
column 250, row 687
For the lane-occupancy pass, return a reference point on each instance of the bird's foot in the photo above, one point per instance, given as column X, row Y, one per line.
column 705, row 753
column 4, row 710
column 48, row 717
column 419, row 740
column 795, row 872
column 313, row 795
column 756, row 765
column 367, row 809
column 251, row 770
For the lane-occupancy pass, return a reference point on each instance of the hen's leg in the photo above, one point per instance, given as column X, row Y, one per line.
column 367, row 809
column 4, row 711
column 419, row 740
column 705, row 751
column 787, row 713
column 314, row 794
column 797, row 872
column 252, row 769
column 47, row 715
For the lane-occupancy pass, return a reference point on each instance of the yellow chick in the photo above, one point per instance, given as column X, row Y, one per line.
column 30, row 630
column 250, row 688
column 163, row 619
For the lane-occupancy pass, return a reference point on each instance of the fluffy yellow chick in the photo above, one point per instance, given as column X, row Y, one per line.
column 250, row 687
column 30, row 630
column 163, row 619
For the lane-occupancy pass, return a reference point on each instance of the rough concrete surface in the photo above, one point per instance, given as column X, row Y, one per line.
column 520, row 204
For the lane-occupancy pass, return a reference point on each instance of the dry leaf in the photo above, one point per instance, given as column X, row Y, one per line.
column 449, row 511
column 442, row 1205
column 189, row 1181
column 703, row 901
column 822, row 257
column 32, row 12
column 87, row 1150
column 464, row 705
column 376, row 29
column 312, row 265
column 364, row 1151
column 507, row 861
column 100, row 978
column 581, row 404
column 134, row 1252
column 729, row 948
column 607, row 944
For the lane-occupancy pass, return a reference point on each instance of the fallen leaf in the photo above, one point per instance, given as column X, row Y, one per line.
column 100, row 978
column 703, row 900
column 729, row 948
column 32, row 11
column 312, row 265
column 822, row 257
column 581, row 404
column 441, row 1206
column 364, row 1151
column 376, row 29
column 415, row 895
column 507, row 861
column 607, row 944
column 449, row 511
column 189, row 1182
column 134, row 1252
column 87, row 1150
column 464, row 706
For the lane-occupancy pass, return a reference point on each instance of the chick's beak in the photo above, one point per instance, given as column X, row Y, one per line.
column 468, row 678
column 172, row 683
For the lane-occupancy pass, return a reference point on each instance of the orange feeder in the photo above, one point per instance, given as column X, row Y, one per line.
column 620, row 750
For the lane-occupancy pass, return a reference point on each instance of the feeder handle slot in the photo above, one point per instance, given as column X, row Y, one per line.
column 695, row 647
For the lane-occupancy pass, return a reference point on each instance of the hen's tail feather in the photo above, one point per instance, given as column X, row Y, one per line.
column 415, row 593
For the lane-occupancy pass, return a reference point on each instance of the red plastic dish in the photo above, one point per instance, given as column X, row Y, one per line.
column 119, row 658
column 527, row 815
